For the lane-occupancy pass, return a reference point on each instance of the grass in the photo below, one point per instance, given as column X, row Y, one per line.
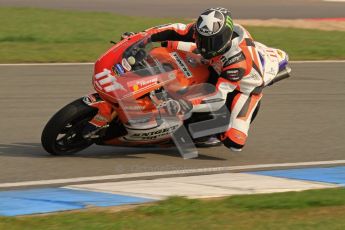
column 42, row 35
column 314, row 209
column 303, row 44
column 37, row 35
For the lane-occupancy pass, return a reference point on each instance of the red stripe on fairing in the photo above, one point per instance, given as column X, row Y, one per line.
column 326, row 19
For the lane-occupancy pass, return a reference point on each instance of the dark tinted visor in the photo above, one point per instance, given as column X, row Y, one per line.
column 212, row 44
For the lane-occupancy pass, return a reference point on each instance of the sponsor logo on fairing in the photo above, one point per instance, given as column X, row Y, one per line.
column 272, row 71
column 134, row 107
column 181, row 64
column 126, row 65
column 280, row 53
column 147, row 82
column 103, row 83
column 136, row 85
column 254, row 76
column 155, row 134
column 87, row 100
column 119, row 69
column 100, row 118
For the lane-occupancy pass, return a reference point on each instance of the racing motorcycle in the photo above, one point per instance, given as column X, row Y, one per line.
column 145, row 95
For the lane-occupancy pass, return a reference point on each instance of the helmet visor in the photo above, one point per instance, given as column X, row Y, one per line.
column 209, row 46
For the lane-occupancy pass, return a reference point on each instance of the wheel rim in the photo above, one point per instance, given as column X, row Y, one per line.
column 71, row 137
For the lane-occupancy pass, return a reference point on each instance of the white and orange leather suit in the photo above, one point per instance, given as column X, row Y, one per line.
column 246, row 67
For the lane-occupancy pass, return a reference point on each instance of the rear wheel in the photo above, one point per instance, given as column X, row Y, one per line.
column 63, row 134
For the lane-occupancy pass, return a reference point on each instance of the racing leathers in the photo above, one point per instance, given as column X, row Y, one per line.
column 239, row 68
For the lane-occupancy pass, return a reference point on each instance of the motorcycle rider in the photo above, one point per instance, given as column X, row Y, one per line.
column 239, row 69
column 235, row 61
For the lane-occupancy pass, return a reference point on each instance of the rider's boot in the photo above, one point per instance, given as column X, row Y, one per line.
column 208, row 141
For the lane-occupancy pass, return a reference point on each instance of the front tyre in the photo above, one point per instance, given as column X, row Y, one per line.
column 63, row 134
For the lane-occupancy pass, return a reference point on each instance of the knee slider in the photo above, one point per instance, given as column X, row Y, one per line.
column 231, row 144
column 234, row 138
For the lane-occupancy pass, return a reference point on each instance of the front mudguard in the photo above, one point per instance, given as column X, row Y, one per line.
column 105, row 112
column 106, row 115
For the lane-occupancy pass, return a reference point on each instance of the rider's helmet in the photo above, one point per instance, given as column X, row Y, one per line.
column 213, row 33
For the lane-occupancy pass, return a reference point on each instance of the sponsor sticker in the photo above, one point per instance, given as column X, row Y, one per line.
column 233, row 74
column 234, row 59
column 138, row 84
column 255, row 76
column 126, row 65
column 87, row 100
column 109, row 83
column 100, row 118
column 134, row 107
column 210, row 22
column 229, row 22
column 119, row 69
column 280, row 53
column 155, row 134
column 271, row 71
column 181, row 64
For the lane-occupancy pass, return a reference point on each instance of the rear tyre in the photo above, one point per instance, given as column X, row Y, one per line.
column 63, row 134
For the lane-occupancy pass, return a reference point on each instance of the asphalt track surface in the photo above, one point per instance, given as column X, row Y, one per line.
column 301, row 119
column 244, row 9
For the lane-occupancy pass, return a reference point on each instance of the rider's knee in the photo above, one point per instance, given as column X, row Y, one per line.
column 234, row 139
column 231, row 144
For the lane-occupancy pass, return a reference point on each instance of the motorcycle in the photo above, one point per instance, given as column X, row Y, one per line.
column 145, row 95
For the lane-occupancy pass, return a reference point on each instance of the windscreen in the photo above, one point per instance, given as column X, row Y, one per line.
column 138, row 60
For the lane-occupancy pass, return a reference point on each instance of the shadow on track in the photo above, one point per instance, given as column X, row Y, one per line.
column 98, row 152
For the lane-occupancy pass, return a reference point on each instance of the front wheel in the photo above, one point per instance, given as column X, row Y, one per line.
column 63, row 134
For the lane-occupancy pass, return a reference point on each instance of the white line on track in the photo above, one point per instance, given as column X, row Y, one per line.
column 334, row 0
column 318, row 61
column 167, row 173
column 89, row 63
